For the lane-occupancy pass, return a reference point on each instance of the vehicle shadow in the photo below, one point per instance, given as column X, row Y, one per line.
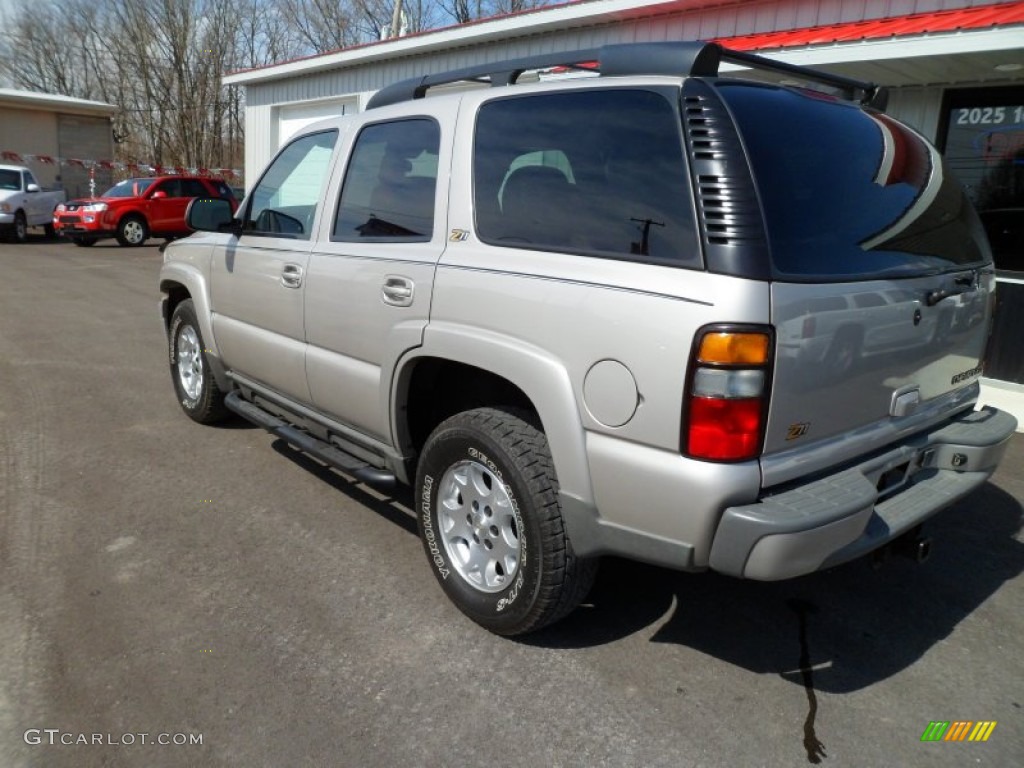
column 853, row 625
column 393, row 504
column 31, row 238
column 233, row 422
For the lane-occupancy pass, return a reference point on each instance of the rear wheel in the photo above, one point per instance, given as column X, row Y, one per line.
column 194, row 384
column 132, row 231
column 491, row 525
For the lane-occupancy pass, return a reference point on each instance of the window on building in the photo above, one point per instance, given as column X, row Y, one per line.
column 983, row 140
column 388, row 193
column 595, row 172
column 285, row 200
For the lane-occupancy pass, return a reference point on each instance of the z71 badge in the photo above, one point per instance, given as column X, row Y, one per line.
column 797, row 430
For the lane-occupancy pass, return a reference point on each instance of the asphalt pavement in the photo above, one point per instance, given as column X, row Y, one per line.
column 209, row 588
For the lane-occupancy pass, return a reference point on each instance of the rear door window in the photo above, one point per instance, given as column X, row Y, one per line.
column 389, row 187
column 848, row 193
column 593, row 172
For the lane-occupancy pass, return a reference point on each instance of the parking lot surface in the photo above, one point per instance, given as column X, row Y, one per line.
column 209, row 584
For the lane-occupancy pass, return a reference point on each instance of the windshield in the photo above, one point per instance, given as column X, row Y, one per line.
column 10, row 180
column 849, row 193
column 129, row 188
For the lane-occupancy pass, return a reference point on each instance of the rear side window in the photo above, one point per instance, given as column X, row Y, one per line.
column 388, row 193
column 597, row 172
column 849, row 193
column 223, row 190
column 193, row 188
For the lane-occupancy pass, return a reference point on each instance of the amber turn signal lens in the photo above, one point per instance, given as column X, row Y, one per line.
column 734, row 348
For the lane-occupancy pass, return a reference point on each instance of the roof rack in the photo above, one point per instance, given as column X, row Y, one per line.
column 679, row 59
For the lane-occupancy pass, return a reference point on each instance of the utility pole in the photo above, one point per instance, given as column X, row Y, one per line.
column 396, row 20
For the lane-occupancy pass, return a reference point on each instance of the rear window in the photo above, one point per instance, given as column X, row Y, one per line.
column 849, row 193
column 596, row 172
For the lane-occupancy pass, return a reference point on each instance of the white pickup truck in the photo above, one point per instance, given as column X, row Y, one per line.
column 24, row 204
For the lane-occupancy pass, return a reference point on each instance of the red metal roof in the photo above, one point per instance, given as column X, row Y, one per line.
column 981, row 17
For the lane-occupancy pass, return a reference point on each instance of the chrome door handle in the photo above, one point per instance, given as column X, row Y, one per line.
column 291, row 276
column 397, row 291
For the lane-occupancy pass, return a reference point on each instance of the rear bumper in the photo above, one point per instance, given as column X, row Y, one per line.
column 844, row 515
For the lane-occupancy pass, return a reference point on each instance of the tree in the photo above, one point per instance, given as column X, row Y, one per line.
column 161, row 61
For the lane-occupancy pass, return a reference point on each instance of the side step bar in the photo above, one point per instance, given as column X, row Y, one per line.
column 306, row 443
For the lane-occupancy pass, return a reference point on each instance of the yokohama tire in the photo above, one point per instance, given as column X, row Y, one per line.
column 489, row 520
column 194, row 385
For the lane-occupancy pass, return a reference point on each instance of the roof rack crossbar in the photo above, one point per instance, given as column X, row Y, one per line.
column 498, row 72
column 679, row 59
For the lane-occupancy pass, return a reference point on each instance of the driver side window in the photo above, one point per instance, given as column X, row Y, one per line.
column 284, row 203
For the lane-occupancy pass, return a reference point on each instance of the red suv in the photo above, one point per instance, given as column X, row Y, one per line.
column 136, row 209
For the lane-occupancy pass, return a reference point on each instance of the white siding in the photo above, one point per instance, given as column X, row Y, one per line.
column 262, row 132
column 260, row 141
column 918, row 107
column 292, row 118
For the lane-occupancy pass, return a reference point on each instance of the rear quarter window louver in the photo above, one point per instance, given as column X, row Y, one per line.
column 732, row 228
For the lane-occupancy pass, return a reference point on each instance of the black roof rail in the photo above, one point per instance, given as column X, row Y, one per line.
column 679, row 59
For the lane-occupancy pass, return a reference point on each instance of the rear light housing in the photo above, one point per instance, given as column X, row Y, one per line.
column 726, row 405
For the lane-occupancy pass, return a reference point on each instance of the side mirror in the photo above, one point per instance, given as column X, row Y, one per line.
column 158, row 195
column 32, row 188
column 211, row 214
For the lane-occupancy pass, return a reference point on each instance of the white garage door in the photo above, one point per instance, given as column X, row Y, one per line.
column 293, row 118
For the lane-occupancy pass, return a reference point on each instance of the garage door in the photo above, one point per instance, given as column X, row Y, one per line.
column 293, row 118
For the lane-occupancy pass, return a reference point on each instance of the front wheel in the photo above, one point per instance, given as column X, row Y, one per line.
column 197, row 390
column 491, row 525
column 132, row 231
column 20, row 227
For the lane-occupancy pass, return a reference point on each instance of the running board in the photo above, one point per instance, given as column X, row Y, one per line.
column 306, row 443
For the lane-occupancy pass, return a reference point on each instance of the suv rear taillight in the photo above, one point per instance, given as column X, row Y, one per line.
column 727, row 400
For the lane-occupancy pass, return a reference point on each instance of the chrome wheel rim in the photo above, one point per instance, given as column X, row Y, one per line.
column 190, row 363
column 133, row 232
column 478, row 526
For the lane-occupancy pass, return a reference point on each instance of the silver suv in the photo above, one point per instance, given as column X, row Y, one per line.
column 595, row 315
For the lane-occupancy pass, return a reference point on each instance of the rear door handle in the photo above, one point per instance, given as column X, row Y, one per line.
column 291, row 276
column 398, row 291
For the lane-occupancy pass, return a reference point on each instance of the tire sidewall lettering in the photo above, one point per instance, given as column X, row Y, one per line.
column 434, row 549
column 178, row 322
column 482, row 458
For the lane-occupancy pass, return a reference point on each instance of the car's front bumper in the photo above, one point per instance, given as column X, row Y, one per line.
column 847, row 514
column 77, row 225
